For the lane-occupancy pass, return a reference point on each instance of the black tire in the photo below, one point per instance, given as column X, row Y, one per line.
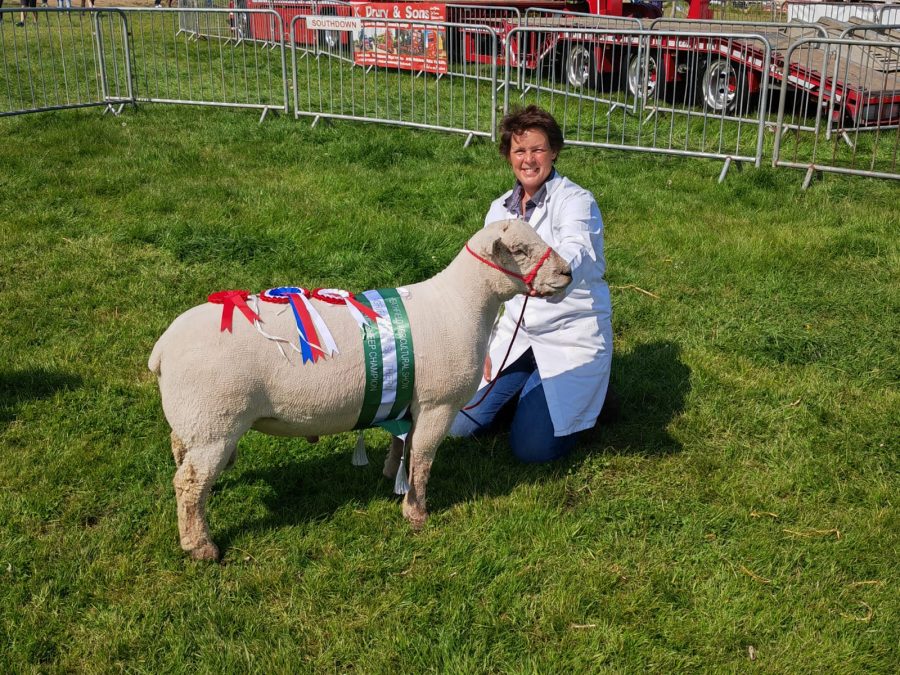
column 724, row 88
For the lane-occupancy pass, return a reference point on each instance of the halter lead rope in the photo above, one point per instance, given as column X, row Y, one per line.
column 529, row 280
column 490, row 386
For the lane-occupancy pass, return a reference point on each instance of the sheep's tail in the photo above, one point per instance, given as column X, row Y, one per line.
column 155, row 362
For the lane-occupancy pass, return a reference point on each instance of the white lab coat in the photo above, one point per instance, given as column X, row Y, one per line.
column 571, row 336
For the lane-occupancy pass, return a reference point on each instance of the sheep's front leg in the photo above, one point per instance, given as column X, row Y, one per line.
column 429, row 430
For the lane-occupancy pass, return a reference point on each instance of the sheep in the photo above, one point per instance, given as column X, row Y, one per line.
column 216, row 385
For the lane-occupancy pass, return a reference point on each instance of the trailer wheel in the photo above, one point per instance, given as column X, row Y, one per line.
column 580, row 69
column 634, row 77
column 724, row 88
column 329, row 40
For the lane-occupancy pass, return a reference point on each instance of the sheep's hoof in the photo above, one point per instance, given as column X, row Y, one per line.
column 208, row 551
column 415, row 517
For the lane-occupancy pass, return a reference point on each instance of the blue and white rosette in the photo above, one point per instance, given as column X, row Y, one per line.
column 315, row 338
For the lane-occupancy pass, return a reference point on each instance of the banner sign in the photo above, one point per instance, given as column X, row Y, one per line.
column 399, row 45
column 342, row 23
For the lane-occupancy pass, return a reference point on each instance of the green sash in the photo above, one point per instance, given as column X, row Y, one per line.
column 389, row 363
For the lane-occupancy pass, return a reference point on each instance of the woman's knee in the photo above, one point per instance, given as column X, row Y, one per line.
column 536, row 448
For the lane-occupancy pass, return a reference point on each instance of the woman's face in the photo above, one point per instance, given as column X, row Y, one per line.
column 531, row 159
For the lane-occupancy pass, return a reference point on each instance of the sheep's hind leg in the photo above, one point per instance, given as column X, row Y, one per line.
column 179, row 449
column 193, row 481
column 428, row 431
column 392, row 461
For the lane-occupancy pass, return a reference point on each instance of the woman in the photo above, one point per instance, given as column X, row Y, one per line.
column 557, row 371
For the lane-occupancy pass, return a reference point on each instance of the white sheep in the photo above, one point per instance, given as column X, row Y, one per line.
column 216, row 385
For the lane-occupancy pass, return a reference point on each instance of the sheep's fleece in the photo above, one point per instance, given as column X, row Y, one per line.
column 216, row 385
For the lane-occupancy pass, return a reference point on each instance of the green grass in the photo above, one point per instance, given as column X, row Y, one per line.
column 747, row 498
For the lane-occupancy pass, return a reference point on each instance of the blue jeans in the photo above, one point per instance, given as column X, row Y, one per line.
column 531, row 430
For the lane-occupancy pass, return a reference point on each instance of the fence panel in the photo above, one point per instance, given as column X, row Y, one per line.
column 500, row 19
column 397, row 72
column 62, row 59
column 855, row 107
column 207, row 57
column 654, row 91
column 542, row 44
column 889, row 15
column 731, row 10
column 811, row 12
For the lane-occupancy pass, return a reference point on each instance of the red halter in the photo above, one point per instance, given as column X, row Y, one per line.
column 528, row 278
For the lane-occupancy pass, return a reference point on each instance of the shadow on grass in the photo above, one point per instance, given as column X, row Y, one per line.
column 651, row 381
column 20, row 386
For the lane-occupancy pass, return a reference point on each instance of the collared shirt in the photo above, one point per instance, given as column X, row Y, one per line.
column 513, row 203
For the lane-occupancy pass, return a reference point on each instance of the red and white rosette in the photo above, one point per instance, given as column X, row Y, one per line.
column 336, row 296
column 229, row 300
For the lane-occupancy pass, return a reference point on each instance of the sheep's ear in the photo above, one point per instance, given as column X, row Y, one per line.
column 517, row 247
column 499, row 249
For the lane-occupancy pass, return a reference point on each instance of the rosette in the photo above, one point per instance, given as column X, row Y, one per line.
column 305, row 315
column 336, row 296
column 229, row 300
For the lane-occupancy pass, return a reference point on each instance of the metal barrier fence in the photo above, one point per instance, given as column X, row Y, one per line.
column 465, row 44
column 778, row 35
column 699, row 89
column 655, row 91
column 571, row 66
column 732, row 10
column 207, row 63
column 872, row 32
column 393, row 71
column 889, row 14
column 855, row 109
column 60, row 59
column 811, row 12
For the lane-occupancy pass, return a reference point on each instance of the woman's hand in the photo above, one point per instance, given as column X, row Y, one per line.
column 487, row 368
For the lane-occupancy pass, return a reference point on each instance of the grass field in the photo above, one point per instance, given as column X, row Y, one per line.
column 741, row 516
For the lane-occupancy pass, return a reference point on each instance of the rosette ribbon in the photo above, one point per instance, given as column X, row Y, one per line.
column 229, row 300
column 310, row 325
column 335, row 296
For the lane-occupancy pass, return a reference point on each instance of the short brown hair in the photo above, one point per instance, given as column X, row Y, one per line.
column 519, row 121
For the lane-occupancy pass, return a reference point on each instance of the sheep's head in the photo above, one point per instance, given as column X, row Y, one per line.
column 529, row 263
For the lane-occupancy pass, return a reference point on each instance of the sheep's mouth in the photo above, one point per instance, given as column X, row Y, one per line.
column 552, row 289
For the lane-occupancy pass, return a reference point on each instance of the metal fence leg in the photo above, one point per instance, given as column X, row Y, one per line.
column 810, row 172
column 725, row 168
